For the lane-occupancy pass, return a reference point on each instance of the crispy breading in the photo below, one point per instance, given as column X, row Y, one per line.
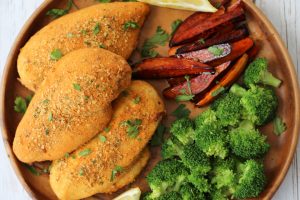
column 87, row 175
column 99, row 26
column 72, row 105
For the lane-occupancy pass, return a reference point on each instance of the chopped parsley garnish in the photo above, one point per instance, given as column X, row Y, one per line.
column 96, row 29
column 81, row 172
column 32, row 169
column 186, row 95
column 102, row 138
column 131, row 25
column 50, row 117
column 175, row 25
column 85, row 152
column 70, row 35
column 46, row 101
column 215, row 50
column 279, row 126
column 137, row 100
column 102, row 46
column 201, row 41
column 107, row 129
column 158, row 137
column 67, row 155
column 56, row 12
column 161, row 37
column 132, row 127
column 83, row 32
column 218, row 91
column 47, row 131
column 181, row 112
column 115, row 171
column 76, row 86
column 21, row 104
column 56, row 54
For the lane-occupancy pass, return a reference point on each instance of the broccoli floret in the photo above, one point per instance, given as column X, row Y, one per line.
column 260, row 104
column 167, row 175
column 218, row 195
column 206, row 117
column 223, row 175
column 195, row 159
column 212, row 139
column 247, row 142
column 172, row 147
column 199, row 181
column 183, row 130
column 146, row 196
column 228, row 109
column 251, row 180
column 190, row 192
column 257, row 72
column 170, row 196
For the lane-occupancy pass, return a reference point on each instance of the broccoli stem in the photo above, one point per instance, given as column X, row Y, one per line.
column 237, row 90
column 269, row 79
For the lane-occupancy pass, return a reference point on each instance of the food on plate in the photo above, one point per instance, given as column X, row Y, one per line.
column 132, row 194
column 155, row 68
column 72, row 105
column 194, row 5
column 226, row 81
column 113, row 26
column 137, row 113
column 202, row 25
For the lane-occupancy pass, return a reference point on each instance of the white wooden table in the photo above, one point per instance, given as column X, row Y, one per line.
column 283, row 14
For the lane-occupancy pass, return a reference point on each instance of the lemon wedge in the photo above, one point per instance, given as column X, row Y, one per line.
column 193, row 5
column 132, row 194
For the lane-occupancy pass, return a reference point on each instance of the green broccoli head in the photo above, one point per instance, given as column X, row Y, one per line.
column 223, row 176
column 228, row 109
column 190, row 192
column 183, row 130
column 251, row 180
column 218, row 194
column 172, row 147
column 260, row 104
column 257, row 72
column 247, row 142
column 170, row 196
column 195, row 159
column 167, row 175
column 207, row 117
column 199, row 181
column 212, row 140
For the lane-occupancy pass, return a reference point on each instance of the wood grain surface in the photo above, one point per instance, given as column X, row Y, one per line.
column 283, row 14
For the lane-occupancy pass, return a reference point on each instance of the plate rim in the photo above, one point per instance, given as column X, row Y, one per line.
column 15, row 48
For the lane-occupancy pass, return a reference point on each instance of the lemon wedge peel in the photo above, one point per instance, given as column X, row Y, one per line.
column 132, row 194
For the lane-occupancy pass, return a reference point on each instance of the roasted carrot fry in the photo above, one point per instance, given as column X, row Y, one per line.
column 177, row 80
column 203, row 25
column 219, row 38
column 229, row 78
column 237, row 49
column 156, row 68
column 197, row 84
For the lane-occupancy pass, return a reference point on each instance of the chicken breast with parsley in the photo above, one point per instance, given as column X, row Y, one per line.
column 93, row 167
column 72, row 105
column 112, row 26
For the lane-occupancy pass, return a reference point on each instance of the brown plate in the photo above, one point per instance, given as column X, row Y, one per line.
column 277, row 161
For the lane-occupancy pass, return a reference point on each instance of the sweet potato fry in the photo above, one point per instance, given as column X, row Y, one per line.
column 198, row 83
column 156, row 68
column 219, row 38
column 205, row 55
column 237, row 49
column 229, row 78
column 203, row 25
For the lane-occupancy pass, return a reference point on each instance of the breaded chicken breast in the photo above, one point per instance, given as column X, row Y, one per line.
column 113, row 26
column 72, row 105
column 93, row 167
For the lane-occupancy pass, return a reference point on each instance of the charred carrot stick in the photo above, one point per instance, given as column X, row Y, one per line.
column 225, row 37
column 197, row 84
column 177, row 80
column 156, row 68
column 203, row 25
column 237, row 49
column 229, row 78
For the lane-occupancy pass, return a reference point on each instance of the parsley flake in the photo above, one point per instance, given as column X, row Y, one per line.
column 20, row 105
column 85, row 152
column 115, row 171
column 137, row 100
column 279, row 126
column 50, row 117
column 201, row 41
column 186, row 96
column 102, row 138
column 181, row 112
column 175, row 25
column 107, row 129
column 132, row 127
column 81, row 172
column 32, row 169
column 160, row 38
column 96, row 29
column 56, row 54
column 104, row 1
column 56, row 12
column 76, row 86
column 215, row 50
column 131, row 25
